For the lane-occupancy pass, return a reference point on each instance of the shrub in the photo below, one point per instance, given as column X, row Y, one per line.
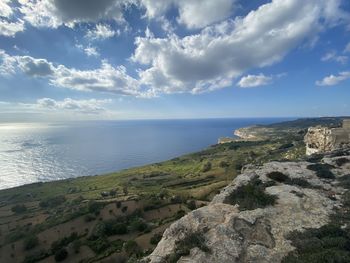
column 322, row 170
column 132, row 248
column 224, row 164
column 286, row 146
column 94, row 207
column 18, row 209
column 191, row 205
column 206, row 167
column 329, row 243
column 183, row 247
column 89, row 218
column 155, row 238
column 180, row 214
column 278, row 176
column 61, row 255
column 342, row 161
column 30, row 242
column 299, row 182
column 124, row 209
column 59, row 244
column 52, row 201
column 118, row 204
column 138, row 225
column 99, row 245
column 251, row 196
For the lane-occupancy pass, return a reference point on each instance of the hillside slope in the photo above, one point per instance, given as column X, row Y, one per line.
column 279, row 212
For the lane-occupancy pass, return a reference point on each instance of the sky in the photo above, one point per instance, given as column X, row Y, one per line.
column 150, row 59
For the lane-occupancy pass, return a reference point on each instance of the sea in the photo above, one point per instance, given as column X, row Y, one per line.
column 41, row 152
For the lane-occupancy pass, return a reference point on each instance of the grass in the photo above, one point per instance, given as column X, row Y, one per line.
column 252, row 196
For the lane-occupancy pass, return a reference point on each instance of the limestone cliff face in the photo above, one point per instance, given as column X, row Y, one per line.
column 323, row 139
column 234, row 233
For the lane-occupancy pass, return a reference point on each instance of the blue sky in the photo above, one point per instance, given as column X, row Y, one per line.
column 147, row 59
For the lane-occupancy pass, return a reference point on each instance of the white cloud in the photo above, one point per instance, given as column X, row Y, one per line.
column 90, row 51
column 251, row 81
column 347, row 48
column 332, row 80
column 101, row 32
column 9, row 29
column 192, row 13
column 5, row 8
column 332, row 56
column 217, row 55
column 92, row 106
column 53, row 13
column 35, row 67
column 104, row 79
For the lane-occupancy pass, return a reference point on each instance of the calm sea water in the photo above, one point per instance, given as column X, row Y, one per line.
column 44, row 152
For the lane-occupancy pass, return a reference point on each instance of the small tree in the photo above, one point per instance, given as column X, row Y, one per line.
column 30, row 242
column 61, row 255
column 206, row 167
column 18, row 209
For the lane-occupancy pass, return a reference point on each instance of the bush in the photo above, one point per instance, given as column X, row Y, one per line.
column 59, row 244
column 251, row 196
column 18, row 209
column 99, row 245
column 206, row 167
column 299, row 182
column 61, row 255
column 278, row 176
column 124, row 209
column 342, row 161
column 191, row 205
column 329, row 243
column 155, row 238
column 138, row 225
column 52, row 201
column 183, row 247
column 132, row 248
column 89, row 218
column 30, row 242
column 224, row 164
column 322, row 170
column 286, row 146
column 94, row 207
column 118, row 204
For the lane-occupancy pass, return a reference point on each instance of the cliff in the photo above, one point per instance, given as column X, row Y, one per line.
column 321, row 139
column 253, row 219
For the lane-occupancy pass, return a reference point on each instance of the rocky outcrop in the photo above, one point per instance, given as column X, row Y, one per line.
column 323, row 139
column 250, row 219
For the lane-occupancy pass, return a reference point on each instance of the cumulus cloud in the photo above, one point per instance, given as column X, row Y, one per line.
column 220, row 53
column 53, row 13
column 105, row 79
column 35, row 67
column 332, row 56
column 332, row 80
column 192, row 13
column 101, row 32
column 251, row 81
column 92, row 106
column 5, row 8
column 9, row 29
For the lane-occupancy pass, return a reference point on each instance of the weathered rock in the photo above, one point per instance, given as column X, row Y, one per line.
column 259, row 235
column 323, row 139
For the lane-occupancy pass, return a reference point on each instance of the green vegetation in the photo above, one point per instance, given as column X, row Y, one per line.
column 104, row 211
column 52, row 201
column 278, row 176
column 18, row 209
column 30, row 242
column 322, row 170
column 183, row 247
column 252, row 196
column 61, row 255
